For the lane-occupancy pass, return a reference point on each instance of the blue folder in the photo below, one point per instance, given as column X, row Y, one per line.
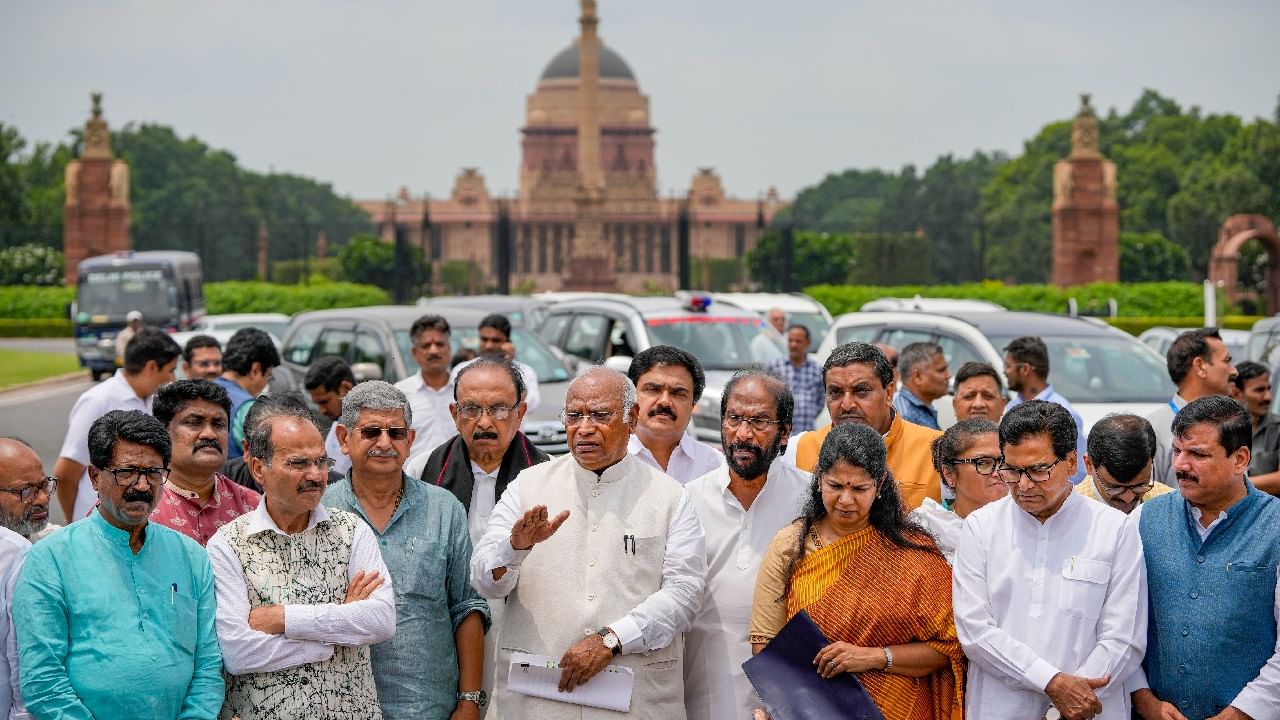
column 790, row 687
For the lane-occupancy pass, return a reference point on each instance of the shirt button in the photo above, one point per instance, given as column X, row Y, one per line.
column 1185, row 631
column 591, row 563
column 1194, row 594
column 595, row 528
column 305, row 681
column 1200, row 558
column 1185, row 703
column 587, row 631
column 591, row 597
column 1182, row 669
column 595, row 493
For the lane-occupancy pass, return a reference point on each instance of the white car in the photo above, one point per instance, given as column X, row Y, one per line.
column 800, row 309
column 1159, row 338
column 1100, row 369
column 935, row 305
column 273, row 323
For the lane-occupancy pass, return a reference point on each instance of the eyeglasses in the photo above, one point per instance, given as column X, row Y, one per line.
column 759, row 424
column 27, row 493
column 1116, row 491
column 1036, row 473
column 982, row 465
column 472, row 411
column 373, row 432
column 127, row 476
column 299, row 465
column 598, row 417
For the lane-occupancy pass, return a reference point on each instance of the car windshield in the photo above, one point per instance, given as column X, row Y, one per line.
column 1103, row 369
column 815, row 323
column 530, row 350
column 109, row 295
column 720, row 343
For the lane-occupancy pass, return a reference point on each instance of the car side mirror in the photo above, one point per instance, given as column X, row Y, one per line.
column 366, row 371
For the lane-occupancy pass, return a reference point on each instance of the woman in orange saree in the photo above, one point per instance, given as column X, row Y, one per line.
column 872, row 580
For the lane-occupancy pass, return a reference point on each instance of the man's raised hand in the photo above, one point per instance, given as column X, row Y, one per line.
column 534, row 527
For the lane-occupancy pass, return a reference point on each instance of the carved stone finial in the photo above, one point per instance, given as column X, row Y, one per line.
column 1084, row 131
column 97, row 104
column 97, row 140
column 1084, row 103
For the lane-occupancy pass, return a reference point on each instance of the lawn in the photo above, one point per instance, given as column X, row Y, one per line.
column 24, row 366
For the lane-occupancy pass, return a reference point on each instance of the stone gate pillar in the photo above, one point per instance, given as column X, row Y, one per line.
column 1086, row 218
column 95, row 218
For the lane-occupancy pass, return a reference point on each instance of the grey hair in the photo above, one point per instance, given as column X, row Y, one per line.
column 257, row 422
column 628, row 387
column 373, row 395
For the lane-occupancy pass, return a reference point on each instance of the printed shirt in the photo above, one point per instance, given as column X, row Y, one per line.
column 806, row 387
column 914, row 410
column 431, row 419
column 181, row 510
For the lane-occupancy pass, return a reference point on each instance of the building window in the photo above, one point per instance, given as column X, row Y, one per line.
column 526, row 249
column 556, row 251
column 635, row 248
column 664, row 249
column 542, row 248
column 739, row 240
column 648, row 248
column 619, row 242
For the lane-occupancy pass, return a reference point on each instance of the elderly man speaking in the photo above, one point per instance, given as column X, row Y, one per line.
column 612, row 574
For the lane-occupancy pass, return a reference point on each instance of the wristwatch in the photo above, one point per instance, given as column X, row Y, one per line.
column 611, row 640
column 479, row 697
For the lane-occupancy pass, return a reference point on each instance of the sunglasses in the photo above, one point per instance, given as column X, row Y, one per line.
column 373, row 432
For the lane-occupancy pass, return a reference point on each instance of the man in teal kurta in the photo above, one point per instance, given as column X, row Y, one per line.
column 115, row 615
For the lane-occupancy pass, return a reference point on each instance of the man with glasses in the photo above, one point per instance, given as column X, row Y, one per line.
column 741, row 508
column 495, row 342
column 302, row 590
column 26, row 491
column 422, row 531
column 197, row 499
column 1050, row 601
column 115, row 614
column 429, row 390
column 669, row 382
column 202, row 358
column 1122, row 449
column 601, row 560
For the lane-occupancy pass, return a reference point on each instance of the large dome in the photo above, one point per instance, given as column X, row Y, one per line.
column 565, row 65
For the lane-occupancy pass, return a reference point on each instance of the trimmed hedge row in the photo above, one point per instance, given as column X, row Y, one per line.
column 1163, row 299
column 1137, row 325
column 34, row 328
column 25, row 302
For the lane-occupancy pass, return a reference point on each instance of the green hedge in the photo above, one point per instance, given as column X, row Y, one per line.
column 31, row 301
column 256, row 297
column 1137, row 325
column 35, row 328
column 1163, row 299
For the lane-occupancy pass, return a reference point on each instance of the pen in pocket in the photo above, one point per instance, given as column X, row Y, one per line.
column 173, row 594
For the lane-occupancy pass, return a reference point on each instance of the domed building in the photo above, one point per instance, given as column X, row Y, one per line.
column 459, row 235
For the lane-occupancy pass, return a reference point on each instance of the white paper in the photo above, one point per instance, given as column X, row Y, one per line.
column 539, row 676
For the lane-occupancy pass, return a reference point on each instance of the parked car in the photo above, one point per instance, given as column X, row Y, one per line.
column 1159, row 338
column 1098, row 368
column 1263, row 340
column 376, row 342
column 274, row 323
column 611, row 329
column 937, row 305
column 800, row 309
column 519, row 309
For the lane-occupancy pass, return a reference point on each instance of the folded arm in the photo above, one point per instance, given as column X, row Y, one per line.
column 361, row 622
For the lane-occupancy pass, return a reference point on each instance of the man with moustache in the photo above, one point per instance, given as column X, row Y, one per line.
column 803, row 376
column 24, row 504
column 924, row 379
column 429, row 390
column 115, row 602
column 24, row 511
column 1212, row 554
column 1050, row 602
column 263, row 409
column 328, row 380
column 1252, row 388
column 615, row 575
column 422, row 532
column 302, row 590
column 1121, row 451
column 202, row 358
column 669, row 382
column 979, row 393
column 197, row 499
column 859, row 388
column 1200, row 365
column 149, row 362
column 741, row 507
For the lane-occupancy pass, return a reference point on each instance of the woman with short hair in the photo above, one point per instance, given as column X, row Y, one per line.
column 966, row 457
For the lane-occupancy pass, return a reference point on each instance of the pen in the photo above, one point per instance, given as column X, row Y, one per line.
column 173, row 594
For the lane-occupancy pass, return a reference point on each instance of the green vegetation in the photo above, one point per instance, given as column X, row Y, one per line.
column 1167, row 299
column 25, row 302
column 24, row 366
column 1137, row 325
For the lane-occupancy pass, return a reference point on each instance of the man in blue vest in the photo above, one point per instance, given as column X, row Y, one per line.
column 1212, row 552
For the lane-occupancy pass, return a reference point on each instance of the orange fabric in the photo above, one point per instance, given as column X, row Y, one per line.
column 860, row 608
column 908, row 454
column 819, row 570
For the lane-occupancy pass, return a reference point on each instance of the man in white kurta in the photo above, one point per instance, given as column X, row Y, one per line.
column 669, row 382
column 601, row 560
column 1049, row 587
column 741, row 507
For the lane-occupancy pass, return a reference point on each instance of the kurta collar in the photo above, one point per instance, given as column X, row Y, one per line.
column 117, row 538
column 1065, row 511
column 261, row 520
column 613, row 473
column 896, row 426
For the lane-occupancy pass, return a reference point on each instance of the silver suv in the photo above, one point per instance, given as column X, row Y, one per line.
column 610, row 329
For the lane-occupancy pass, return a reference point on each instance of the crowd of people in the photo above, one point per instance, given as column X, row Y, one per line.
column 225, row 557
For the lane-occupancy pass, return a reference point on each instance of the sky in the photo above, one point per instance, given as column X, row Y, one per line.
column 374, row 95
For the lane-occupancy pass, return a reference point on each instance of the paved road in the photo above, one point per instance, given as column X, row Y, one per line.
column 58, row 345
column 39, row 416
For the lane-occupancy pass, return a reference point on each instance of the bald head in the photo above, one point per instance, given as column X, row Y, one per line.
column 16, row 455
column 20, row 469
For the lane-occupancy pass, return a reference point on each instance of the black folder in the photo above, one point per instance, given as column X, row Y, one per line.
column 790, row 687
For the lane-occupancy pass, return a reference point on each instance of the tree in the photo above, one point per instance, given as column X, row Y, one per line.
column 1151, row 257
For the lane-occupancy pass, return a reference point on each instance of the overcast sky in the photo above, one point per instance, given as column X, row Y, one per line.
column 373, row 95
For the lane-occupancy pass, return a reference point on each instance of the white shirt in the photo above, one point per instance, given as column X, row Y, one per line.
column 331, row 448
column 532, row 396
column 654, row 623
column 715, row 686
column 1260, row 699
column 431, row 418
column 1032, row 600
column 13, row 548
column 311, row 631
column 114, row 393
column 690, row 459
column 943, row 525
column 484, row 486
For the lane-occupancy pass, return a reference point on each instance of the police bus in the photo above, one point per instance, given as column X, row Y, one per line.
column 166, row 286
